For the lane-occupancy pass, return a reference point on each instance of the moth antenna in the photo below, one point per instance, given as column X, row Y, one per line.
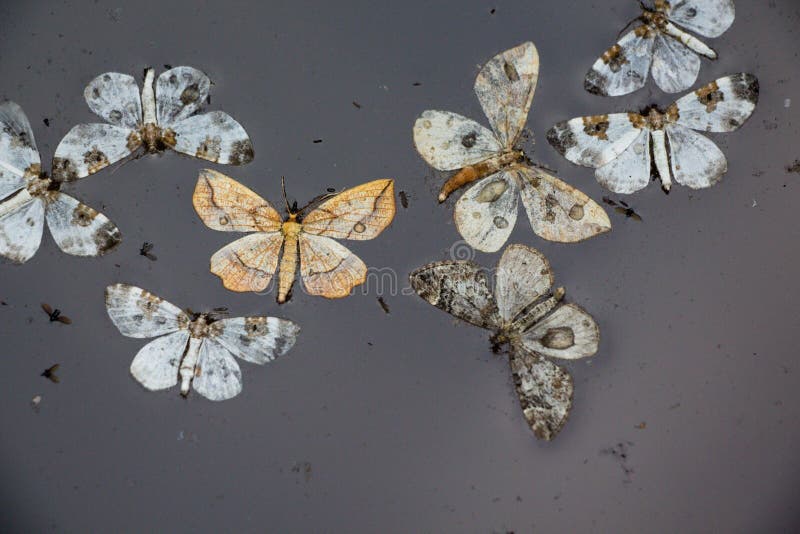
column 285, row 199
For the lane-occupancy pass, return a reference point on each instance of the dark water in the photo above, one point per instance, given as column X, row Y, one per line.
column 406, row 421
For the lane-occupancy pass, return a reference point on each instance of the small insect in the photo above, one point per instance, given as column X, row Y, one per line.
column 317, row 141
column 145, row 251
column 486, row 213
column 55, row 314
column 198, row 349
column 46, row 121
column 416, row 84
column 620, row 145
column 326, row 267
column 794, row 167
column 384, row 306
column 527, row 319
column 356, row 104
column 50, row 374
column 657, row 41
column 28, row 198
column 403, row 199
column 35, row 402
column 165, row 116
column 623, row 208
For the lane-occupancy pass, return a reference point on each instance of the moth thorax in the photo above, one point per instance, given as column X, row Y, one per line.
column 199, row 327
column 291, row 227
column 155, row 138
column 39, row 186
column 656, row 18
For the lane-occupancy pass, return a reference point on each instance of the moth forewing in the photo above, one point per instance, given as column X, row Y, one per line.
column 556, row 210
column 523, row 276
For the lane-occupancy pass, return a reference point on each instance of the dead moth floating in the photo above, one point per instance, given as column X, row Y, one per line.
column 527, row 318
column 671, row 51
column 485, row 215
column 621, row 146
column 326, row 267
column 163, row 117
column 196, row 349
column 28, row 197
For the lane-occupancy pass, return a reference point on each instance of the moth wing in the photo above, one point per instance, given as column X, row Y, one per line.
column 226, row 205
column 214, row 136
column 249, row 263
column 557, row 211
column 545, row 392
column 218, row 376
column 505, row 87
column 486, row 213
column 523, row 276
column 180, row 92
column 569, row 333
column 675, row 65
column 21, row 230
column 461, row 288
column 328, row 268
column 595, row 140
column 88, row 148
column 115, row 98
column 257, row 339
column 720, row 106
column 78, row 229
column 630, row 171
column 18, row 152
column 623, row 68
column 695, row 160
column 449, row 141
column 709, row 18
column 140, row 314
column 156, row 365
column 358, row 213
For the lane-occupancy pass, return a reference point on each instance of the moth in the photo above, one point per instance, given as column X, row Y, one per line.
column 659, row 44
column 28, row 197
column 623, row 147
column 486, row 213
column 195, row 349
column 165, row 116
column 50, row 374
column 326, row 267
column 623, row 208
column 527, row 318
column 55, row 314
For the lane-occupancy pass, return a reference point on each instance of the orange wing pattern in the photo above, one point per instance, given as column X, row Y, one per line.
column 225, row 204
column 328, row 268
column 248, row 264
column 358, row 213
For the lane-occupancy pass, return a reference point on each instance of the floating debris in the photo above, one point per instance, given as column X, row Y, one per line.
column 383, row 305
column 356, row 104
column 623, row 208
column 50, row 374
column 403, row 199
column 55, row 314
column 145, row 251
column 35, row 402
column 317, row 141
column 794, row 167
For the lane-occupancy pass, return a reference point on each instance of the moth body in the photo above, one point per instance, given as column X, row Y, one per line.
column 189, row 364
column 291, row 230
column 480, row 170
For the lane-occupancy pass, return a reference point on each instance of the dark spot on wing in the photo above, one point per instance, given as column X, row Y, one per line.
column 115, row 115
column 469, row 140
column 559, row 338
column 241, row 152
column 511, row 72
column 745, row 87
column 596, row 126
column 107, row 237
column 95, row 160
column 83, row 215
column 561, row 137
column 190, row 94
column 595, row 83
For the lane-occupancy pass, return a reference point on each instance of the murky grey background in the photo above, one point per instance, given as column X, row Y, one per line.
column 405, row 422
